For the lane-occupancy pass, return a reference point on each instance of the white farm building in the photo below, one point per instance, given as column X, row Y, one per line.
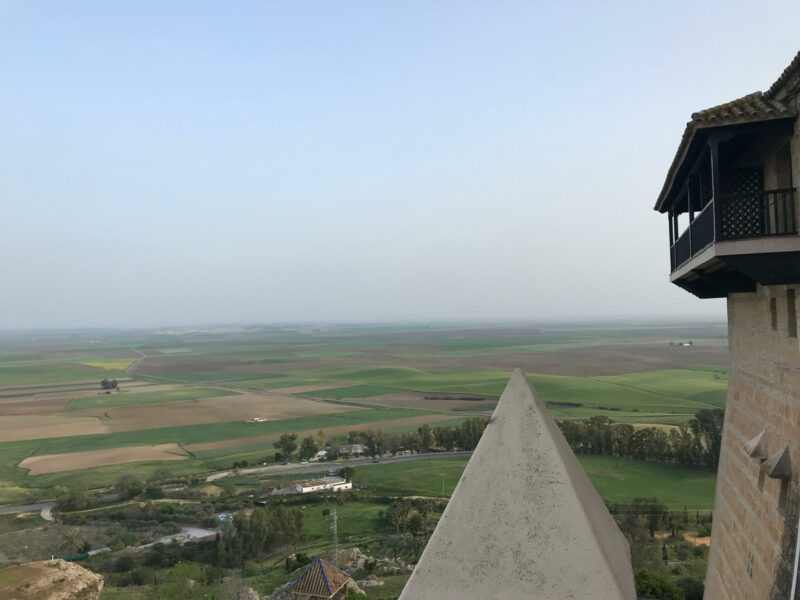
column 323, row 484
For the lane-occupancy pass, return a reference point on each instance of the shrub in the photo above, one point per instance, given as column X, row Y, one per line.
column 124, row 563
column 657, row 586
column 692, row 588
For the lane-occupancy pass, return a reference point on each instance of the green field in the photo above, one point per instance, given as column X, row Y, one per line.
column 371, row 360
column 665, row 396
column 353, row 391
column 11, row 453
column 34, row 375
column 138, row 399
column 489, row 383
column 617, row 480
column 468, row 347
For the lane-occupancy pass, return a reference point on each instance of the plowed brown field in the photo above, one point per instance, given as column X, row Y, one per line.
column 74, row 461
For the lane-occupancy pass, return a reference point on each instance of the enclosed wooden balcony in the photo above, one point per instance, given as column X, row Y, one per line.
column 742, row 216
column 732, row 207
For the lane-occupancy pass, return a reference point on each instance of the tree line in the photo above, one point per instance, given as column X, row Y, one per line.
column 694, row 444
column 379, row 442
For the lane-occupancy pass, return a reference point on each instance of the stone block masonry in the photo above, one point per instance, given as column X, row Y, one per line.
column 755, row 516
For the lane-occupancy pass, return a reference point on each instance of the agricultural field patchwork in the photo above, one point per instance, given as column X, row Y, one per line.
column 229, row 394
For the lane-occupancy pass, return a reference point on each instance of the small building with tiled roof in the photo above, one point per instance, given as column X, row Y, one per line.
column 320, row 580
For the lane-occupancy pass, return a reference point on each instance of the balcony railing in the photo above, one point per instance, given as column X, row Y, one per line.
column 757, row 214
column 737, row 217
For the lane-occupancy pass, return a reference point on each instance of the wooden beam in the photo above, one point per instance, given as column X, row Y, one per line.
column 716, row 189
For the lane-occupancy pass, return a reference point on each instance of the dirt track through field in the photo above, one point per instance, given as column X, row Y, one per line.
column 409, row 421
column 74, row 461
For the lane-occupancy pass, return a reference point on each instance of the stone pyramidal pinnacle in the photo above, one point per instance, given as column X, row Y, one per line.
column 524, row 521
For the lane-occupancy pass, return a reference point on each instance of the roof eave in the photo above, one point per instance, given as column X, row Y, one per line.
column 687, row 141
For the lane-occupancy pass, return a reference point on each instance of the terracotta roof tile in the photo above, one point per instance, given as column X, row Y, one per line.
column 321, row 578
column 788, row 73
column 753, row 107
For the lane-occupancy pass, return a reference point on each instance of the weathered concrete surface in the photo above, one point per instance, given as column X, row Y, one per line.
column 50, row 580
column 524, row 520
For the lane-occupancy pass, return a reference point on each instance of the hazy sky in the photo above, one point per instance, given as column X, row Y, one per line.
column 191, row 162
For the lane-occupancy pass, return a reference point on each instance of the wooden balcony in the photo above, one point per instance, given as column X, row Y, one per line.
column 738, row 216
column 738, row 241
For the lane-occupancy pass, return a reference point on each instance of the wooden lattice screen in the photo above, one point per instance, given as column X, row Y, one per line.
column 742, row 204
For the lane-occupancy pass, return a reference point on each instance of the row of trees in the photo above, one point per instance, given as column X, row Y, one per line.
column 255, row 537
column 696, row 444
column 379, row 442
column 464, row 437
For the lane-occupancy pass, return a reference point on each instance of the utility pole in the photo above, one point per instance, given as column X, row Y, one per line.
column 335, row 531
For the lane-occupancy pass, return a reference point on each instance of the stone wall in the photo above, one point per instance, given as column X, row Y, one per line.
column 755, row 516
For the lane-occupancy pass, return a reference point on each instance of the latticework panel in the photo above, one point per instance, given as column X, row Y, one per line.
column 743, row 181
column 742, row 216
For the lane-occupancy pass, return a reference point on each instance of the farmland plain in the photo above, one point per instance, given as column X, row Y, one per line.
column 228, row 393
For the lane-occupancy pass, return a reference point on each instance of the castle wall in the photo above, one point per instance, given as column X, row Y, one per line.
column 755, row 516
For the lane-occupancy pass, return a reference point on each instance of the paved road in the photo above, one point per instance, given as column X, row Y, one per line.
column 186, row 533
column 12, row 510
column 319, row 467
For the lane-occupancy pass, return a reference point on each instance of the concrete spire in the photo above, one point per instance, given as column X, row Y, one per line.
column 524, row 520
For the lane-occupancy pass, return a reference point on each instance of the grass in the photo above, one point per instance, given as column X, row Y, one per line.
column 211, row 376
column 34, row 375
column 621, row 480
column 617, row 480
column 356, row 520
column 413, row 478
column 138, row 399
column 482, row 382
column 20, row 521
column 13, row 478
column 354, row 391
column 468, row 347
column 655, row 392
column 390, row 590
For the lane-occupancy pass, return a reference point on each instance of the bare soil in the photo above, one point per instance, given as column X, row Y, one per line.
column 272, row 407
column 33, row 406
column 30, row 427
column 74, row 461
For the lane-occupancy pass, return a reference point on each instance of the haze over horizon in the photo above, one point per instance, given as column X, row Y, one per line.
column 189, row 163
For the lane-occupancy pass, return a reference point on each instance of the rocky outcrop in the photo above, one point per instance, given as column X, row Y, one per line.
column 49, row 580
